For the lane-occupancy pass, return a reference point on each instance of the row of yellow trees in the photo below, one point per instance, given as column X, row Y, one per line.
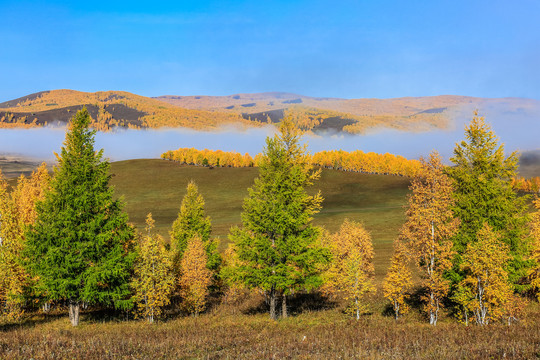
column 531, row 185
column 357, row 161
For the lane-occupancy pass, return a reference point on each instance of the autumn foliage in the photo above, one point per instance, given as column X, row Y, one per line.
column 154, row 277
column 195, row 278
column 398, row 281
column 356, row 161
column 18, row 210
column 429, row 228
column 486, row 279
column 351, row 271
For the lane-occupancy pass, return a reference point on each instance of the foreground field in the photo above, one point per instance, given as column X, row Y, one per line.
column 325, row 334
column 317, row 328
column 158, row 186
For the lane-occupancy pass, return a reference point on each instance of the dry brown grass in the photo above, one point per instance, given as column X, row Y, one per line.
column 220, row 334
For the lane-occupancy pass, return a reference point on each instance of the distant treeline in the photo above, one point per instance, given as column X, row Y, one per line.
column 531, row 185
column 357, row 160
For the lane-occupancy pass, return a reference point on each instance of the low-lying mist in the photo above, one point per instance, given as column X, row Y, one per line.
column 518, row 129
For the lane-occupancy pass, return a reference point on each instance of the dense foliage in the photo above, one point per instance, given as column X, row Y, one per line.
column 277, row 244
column 80, row 246
column 483, row 194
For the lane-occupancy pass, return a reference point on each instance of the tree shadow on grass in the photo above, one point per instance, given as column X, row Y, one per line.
column 296, row 304
column 29, row 322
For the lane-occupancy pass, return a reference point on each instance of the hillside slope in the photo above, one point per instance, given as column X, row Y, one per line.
column 108, row 109
column 118, row 108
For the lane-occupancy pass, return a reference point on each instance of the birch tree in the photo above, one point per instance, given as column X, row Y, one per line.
column 484, row 263
column 398, row 280
column 429, row 228
column 351, row 271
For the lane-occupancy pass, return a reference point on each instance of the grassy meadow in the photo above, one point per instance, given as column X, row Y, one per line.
column 318, row 327
column 158, row 186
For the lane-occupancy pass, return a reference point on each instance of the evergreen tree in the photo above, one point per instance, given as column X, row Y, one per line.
column 277, row 243
column 192, row 221
column 80, row 246
column 154, row 277
column 484, row 194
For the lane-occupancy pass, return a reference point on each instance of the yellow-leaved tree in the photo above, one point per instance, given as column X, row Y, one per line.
column 398, row 283
column 535, row 235
column 154, row 276
column 17, row 211
column 351, row 272
column 195, row 278
column 486, row 279
column 429, row 228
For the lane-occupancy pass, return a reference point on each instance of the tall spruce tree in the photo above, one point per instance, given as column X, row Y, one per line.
column 483, row 194
column 276, row 246
column 80, row 246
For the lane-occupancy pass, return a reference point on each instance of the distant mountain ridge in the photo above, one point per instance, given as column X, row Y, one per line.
column 111, row 109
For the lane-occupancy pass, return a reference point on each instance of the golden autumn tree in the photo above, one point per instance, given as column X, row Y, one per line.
column 398, row 283
column 351, row 271
column 154, row 277
column 195, row 278
column 486, row 278
column 429, row 228
column 17, row 211
column 535, row 235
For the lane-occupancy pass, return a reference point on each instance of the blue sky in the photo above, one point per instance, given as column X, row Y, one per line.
column 351, row 49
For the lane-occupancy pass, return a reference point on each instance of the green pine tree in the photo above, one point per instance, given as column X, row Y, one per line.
column 192, row 221
column 276, row 246
column 80, row 246
column 484, row 194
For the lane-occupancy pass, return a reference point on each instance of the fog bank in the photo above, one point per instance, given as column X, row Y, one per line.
column 518, row 129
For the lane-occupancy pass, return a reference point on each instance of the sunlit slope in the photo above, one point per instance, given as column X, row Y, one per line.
column 352, row 115
column 109, row 109
column 157, row 186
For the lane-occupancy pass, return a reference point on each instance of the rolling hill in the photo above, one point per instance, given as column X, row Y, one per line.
column 108, row 109
column 111, row 109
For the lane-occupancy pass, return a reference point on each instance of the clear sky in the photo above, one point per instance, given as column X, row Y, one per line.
column 351, row 49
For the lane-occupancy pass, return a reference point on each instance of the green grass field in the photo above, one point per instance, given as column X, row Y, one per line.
column 157, row 186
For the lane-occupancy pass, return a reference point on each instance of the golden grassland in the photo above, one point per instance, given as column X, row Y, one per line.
column 242, row 331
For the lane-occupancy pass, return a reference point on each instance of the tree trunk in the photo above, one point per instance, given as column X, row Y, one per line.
column 273, row 313
column 74, row 307
column 46, row 307
column 284, row 306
